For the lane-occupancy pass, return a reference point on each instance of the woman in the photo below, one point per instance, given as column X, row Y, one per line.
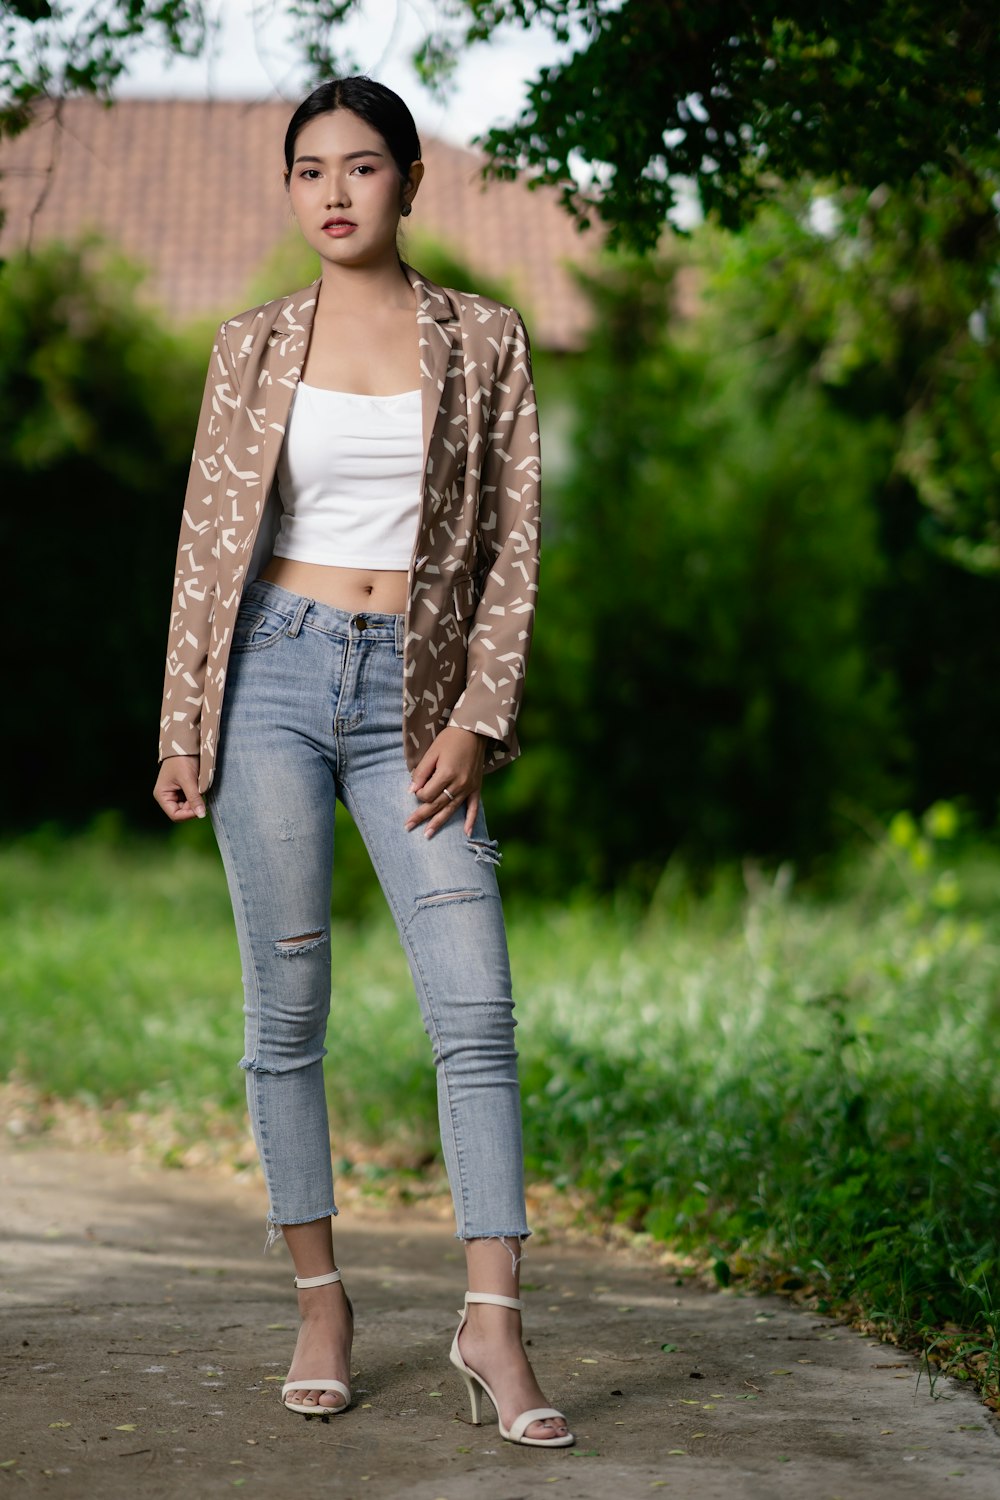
column 352, row 610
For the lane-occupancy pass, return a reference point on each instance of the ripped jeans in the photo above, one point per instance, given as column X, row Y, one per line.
column 313, row 711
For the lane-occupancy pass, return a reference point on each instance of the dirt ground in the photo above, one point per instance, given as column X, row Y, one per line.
column 145, row 1337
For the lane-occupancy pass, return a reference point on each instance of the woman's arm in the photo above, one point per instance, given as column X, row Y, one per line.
column 509, row 522
column 193, row 603
column 500, row 630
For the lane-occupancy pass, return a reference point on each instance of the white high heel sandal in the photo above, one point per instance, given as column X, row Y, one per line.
column 476, row 1385
column 337, row 1386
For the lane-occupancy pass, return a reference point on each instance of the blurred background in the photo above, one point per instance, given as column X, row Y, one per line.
column 750, row 852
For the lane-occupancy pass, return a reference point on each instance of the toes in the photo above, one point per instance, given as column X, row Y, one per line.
column 546, row 1431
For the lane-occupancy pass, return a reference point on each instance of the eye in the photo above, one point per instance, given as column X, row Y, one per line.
column 306, row 170
column 365, row 167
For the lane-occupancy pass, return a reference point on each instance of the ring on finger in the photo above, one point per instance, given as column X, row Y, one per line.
column 448, row 794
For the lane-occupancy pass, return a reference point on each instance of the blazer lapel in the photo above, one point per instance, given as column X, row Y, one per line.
column 437, row 329
column 281, row 360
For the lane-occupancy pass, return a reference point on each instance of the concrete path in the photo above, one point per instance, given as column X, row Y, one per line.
column 144, row 1339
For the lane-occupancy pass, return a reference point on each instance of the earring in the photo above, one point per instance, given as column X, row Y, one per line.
column 406, row 210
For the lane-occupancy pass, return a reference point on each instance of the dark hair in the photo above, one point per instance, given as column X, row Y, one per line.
column 372, row 102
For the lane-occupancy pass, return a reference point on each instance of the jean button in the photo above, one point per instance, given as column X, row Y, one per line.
column 361, row 622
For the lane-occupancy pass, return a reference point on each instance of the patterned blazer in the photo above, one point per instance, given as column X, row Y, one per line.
column 474, row 568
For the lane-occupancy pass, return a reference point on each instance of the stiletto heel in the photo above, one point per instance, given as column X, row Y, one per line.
column 477, row 1385
column 336, row 1386
column 475, row 1399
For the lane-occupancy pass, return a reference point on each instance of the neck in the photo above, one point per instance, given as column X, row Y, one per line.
column 375, row 288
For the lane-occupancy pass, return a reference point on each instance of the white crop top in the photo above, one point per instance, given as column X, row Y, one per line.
column 349, row 475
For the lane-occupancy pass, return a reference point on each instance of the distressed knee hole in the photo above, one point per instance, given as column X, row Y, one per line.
column 441, row 898
column 487, row 851
column 291, row 947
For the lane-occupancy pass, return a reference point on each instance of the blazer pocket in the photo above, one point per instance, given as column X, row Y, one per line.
column 465, row 596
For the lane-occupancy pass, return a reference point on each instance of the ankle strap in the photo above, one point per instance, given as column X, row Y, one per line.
column 326, row 1280
column 494, row 1297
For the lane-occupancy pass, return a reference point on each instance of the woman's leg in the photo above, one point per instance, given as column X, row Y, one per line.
column 491, row 1339
column 444, row 896
column 272, row 806
column 323, row 1347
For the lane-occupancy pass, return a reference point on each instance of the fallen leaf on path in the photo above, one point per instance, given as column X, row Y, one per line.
column 677, row 1453
column 125, row 1427
column 779, row 1372
column 60, row 1424
column 670, row 1348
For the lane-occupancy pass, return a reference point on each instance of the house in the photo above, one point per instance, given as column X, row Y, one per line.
column 193, row 190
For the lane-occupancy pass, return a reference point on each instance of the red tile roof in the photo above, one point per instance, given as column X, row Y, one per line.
column 193, row 189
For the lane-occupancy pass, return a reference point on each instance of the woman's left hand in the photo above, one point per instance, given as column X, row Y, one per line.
column 454, row 761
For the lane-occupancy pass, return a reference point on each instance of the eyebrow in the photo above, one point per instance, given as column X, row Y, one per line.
column 351, row 156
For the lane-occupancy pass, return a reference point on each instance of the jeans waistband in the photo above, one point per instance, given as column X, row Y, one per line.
column 372, row 624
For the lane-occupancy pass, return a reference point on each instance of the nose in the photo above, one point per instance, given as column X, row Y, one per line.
column 337, row 195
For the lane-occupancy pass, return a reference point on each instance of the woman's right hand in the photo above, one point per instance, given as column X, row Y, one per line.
column 176, row 788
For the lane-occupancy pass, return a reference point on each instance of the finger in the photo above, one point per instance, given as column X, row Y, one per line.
column 178, row 795
column 445, row 779
column 424, row 768
column 471, row 813
column 177, row 809
column 445, row 800
column 192, row 797
column 441, row 818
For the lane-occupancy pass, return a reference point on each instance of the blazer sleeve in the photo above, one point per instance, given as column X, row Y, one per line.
column 193, row 604
column 509, row 525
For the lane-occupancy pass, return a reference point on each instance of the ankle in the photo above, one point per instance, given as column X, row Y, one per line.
column 497, row 1324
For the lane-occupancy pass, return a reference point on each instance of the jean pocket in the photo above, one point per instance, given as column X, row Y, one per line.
column 257, row 627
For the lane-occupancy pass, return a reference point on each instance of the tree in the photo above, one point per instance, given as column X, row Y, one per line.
column 97, row 407
column 735, row 96
column 752, row 624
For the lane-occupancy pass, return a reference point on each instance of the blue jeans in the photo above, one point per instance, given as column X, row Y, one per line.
column 313, row 711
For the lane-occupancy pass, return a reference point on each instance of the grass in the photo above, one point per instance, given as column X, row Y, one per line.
column 802, row 1091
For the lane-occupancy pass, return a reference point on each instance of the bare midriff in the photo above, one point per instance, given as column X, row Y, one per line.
column 354, row 589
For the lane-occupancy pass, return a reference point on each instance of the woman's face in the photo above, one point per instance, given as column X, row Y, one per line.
column 345, row 189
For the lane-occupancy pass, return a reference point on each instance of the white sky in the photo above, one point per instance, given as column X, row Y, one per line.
column 252, row 58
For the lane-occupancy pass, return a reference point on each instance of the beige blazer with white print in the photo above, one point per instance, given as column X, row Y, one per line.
column 473, row 572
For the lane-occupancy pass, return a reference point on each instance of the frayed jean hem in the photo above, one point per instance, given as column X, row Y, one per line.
column 275, row 1225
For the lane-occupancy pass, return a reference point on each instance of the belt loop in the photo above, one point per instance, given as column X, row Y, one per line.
column 305, row 605
column 400, row 634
